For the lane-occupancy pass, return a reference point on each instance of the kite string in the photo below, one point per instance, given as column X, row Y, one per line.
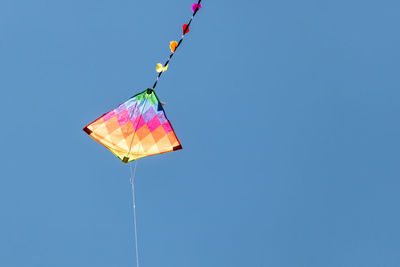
column 132, row 180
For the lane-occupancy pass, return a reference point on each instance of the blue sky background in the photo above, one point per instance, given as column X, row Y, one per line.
column 288, row 113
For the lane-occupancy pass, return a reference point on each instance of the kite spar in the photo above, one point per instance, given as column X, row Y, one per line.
column 139, row 127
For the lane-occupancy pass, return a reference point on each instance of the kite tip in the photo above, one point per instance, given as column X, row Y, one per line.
column 177, row 147
column 87, row 130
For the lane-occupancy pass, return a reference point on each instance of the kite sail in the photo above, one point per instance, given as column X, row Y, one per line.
column 135, row 129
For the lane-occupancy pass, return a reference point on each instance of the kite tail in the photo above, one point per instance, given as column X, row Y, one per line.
column 132, row 180
column 195, row 8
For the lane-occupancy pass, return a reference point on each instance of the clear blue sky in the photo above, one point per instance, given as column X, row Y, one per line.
column 288, row 113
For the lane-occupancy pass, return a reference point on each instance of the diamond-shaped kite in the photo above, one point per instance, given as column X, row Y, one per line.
column 135, row 129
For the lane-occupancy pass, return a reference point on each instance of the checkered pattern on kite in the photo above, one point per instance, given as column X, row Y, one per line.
column 136, row 129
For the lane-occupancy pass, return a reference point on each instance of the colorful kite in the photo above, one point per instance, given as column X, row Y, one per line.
column 139, row 127
column 135, row 129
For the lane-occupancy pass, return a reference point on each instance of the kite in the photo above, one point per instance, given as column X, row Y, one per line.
column 135, row 129
column 139, row 127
